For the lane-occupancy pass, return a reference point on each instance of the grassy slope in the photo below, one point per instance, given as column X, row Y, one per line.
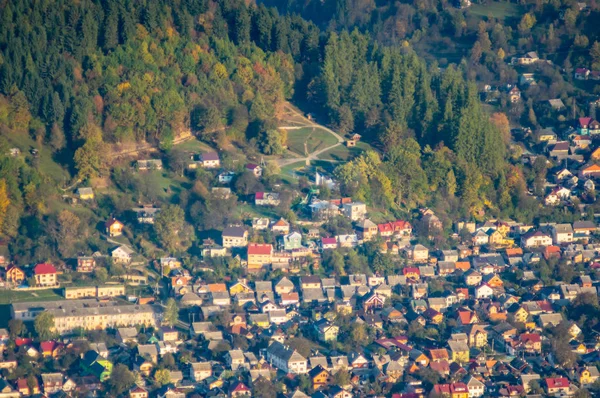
column 496, row 9
column 315, row 139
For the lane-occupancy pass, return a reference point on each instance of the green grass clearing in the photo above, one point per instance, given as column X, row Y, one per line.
column 194, row 145
column 47, row 164
column 315, row 139
column 496, row 9
column 342, row 153
column 12, row 296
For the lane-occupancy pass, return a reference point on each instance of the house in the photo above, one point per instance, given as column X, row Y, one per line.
column 535, row 239
column 149, row 164
column 85, row 193
column 319, row 377
column 477, row 335
column 483, row 291
column 459, row 351
column 226, row 177
column 15, row 275
column 587, row 375
column 584, row 227
column 562, row 233
column 292, row 241
column 514, row 95
column 588, row 126
column 354, row 211
column 528, row 59
column 45, row 275
column 85, row 264
column 366, row 229
column 52, row 382
column 146, row 214
column 326, row 331
column 590, row 171
column 559, row 150
column 259, row 256
column 94, row 364
column 255, row 169
column 200, row 371
column 266, row 199
column 454, row 390
column 418, row 253
column 286, row 359
column 138, row 392
column 557, row 104
column 239, row 389
column 582, row 73
column 329, row 243
column 476, row 388
column 557, row 385
column 210, row 160
column 234, row 237
column 114, row 227
column 556, row 195
column 281, row 227
column 122, row 254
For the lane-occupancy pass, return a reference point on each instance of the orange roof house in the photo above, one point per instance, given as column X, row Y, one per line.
column 217, row 287
column 15, row 274
column 463, row 265
column 590, row 171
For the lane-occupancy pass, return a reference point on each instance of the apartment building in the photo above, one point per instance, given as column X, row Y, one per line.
column 78, row 292
column 286, row 359
column 88, row 314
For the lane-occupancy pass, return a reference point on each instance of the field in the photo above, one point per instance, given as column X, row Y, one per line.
column 9, row 296
column 194, row 146
column 47, row 163
column 496, row 9
column 314, row 138
column 342, row 153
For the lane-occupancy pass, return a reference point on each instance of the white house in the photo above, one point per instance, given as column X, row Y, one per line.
column 483, row 291
column 536, row 239
column 562, row 233
column 122, row 254
column 286, row 359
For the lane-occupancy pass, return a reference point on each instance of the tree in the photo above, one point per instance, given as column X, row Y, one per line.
column 162, row 377
column 121, row 379
column 341, row 378
column 500, row 120
column 595, row 54
column 172, row 232
column 4, row 203
column 264, row 388
column 16, row 328
column 270, row 142
column 44, row 325
column 101, row 274
column 90, row 159
column 171, row 314
column 67, row 232
column 527, row 22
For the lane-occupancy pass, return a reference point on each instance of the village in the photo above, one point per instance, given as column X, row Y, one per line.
column 482, row 318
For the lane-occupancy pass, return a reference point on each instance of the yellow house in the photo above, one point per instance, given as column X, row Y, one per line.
column 85, row 193
column 520, row 315
column 239, row 287
column 588, row 375
column 459, row 351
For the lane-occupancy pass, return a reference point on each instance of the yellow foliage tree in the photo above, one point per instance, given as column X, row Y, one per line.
column 4, row 202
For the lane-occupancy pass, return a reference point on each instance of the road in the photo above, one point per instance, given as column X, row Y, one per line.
column 305, row 122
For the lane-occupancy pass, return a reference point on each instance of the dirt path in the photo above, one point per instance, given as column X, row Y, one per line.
column 289, row 110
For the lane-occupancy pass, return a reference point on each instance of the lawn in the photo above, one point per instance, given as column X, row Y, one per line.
column 194, row 146
column 342, row 153
column 315, row 139
column 47, row 164
column 496, row 9
column 10, row 296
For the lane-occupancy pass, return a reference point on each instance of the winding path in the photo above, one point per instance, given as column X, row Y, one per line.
column 308, row 123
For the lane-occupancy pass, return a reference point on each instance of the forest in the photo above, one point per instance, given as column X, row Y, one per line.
column 82, row 77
